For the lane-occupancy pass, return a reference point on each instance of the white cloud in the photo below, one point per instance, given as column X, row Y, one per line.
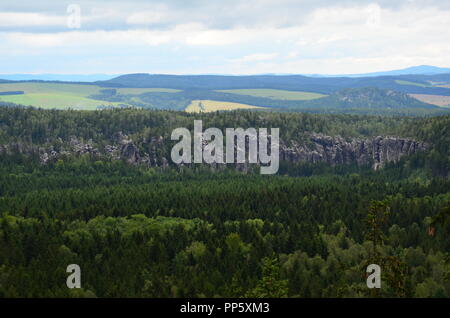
column 329, row 39
column 194, row 34
column 147, row 17
column 257, row 57
column 74, row 39
column 21, row 19
column 158, row 14
column 201, row 36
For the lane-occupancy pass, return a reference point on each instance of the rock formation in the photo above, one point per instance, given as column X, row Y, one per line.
column 337, row 150
column 316, row 148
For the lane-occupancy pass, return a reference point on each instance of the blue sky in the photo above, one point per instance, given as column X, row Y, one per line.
column 223, row 37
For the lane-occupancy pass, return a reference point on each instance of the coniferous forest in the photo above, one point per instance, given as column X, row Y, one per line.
column 140, row 230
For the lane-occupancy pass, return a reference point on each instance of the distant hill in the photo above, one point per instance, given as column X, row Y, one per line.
column 414, row 70
column 130, row 79
column 57, row 77
column 374, row 95
column 409, row 84
column 216, row 82
column 369, row 98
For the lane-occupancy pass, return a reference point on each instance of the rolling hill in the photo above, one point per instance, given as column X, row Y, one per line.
column 410, row 84
column 58, row 77
column 372, row 94
column 369, row 97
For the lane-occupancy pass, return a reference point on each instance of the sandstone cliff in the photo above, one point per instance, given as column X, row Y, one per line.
column 336, row 150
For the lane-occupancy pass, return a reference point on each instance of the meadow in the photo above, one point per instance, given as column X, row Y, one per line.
column 67, row 95
column 207, row 106
column 401, row 82
column 92, row 96
column 438, row 100
column 57, row 101
column 275, row 94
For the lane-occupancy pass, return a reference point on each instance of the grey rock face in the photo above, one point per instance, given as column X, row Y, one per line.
column 316, row 148
column 336, row 150
column 81, row 148
column 130, row 152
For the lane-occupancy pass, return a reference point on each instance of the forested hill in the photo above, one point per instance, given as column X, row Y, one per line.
column 405, row 95
column 364, row 95
column 368, row 98
column 411, row 84
column 365, row 100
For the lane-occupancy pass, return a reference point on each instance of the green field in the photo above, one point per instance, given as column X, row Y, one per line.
column 63, row 96
column 137, row 91
column 57, row 101
column 411, row 83
column 58, row 88
column 275, row 94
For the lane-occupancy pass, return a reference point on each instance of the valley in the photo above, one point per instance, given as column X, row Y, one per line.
column 414, row 94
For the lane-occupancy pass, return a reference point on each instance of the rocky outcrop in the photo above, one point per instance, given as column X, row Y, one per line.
column 81, row 148
column 129, row 152
column 315, row 148
column 126, row 149
column 337, row 150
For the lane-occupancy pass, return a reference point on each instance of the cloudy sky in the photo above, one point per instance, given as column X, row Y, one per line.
column 222, row 36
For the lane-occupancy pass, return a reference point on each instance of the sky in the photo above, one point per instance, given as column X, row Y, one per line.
column 222, row 36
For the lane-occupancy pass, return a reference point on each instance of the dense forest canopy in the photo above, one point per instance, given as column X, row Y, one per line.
column 37, row 126
column 139, row 231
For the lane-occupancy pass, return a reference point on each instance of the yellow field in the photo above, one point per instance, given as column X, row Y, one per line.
column 275, row 93
column 207, row 106
column 438, row 100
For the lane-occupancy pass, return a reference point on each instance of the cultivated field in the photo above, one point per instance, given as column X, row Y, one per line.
column 207, row 106
column 411, row 83
column 275, row 94
column 63, row 96
column 443, row 101
column 57, row 101
column 137, row 91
